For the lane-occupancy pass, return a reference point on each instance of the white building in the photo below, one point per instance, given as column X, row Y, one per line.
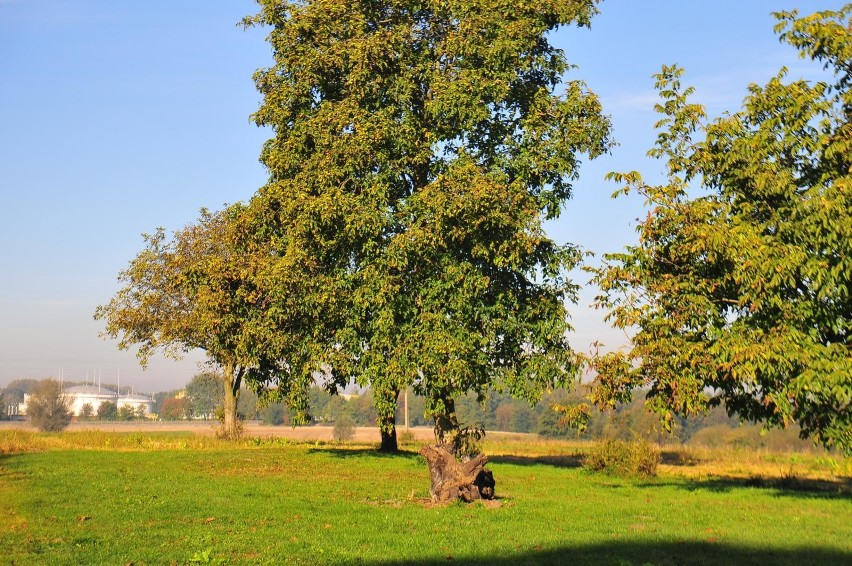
column 93, row 395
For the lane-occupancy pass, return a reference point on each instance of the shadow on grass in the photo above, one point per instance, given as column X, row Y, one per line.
column 650, row 552
column 562, row 461
column 802, row 488
column 840, row 488
column 362, row 452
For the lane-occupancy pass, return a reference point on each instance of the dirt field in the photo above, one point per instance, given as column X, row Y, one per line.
column 252, row 429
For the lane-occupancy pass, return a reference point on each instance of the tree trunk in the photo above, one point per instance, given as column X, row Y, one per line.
column 231, row 427
column 389, row 443
column 447, row 424
column 387, row 422
column 452, row 480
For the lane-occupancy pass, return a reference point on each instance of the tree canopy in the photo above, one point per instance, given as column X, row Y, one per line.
column 739, row 287
column 205, row 393
column 418, row 145
column 191, row 291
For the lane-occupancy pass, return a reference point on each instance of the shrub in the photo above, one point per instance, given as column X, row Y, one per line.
column 87, row 411
column 344, row 428
column 274, row 414
column 48, row 408
column 622, row 458
column 126, row 413
column 107, row 411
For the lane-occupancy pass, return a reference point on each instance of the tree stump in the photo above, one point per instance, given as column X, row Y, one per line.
column 452, row 480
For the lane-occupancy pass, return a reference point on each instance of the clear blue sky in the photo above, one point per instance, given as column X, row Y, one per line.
column 117, row 117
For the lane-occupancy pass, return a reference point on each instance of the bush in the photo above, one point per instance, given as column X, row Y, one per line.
column 107, row 411
column 344, row 428
column 48, row 408
column 87, row 411
column 274, row 414
column 622, row 458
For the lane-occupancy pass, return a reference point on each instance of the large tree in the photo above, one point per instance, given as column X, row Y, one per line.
column 418, row 145
column 740, row 288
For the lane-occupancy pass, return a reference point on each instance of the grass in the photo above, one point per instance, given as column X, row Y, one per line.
column 149, row 498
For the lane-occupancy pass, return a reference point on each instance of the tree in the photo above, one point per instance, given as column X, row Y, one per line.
column 195, row 291
column 418, row 145
column 126, row 413
column 87, row 411
column 107, row 411
column 175, row 409
column 274, row 414
column 247, row 404
column 741, row 283
column 48, row 408
column 17, row 388
column 3, row 407
column 161, row 396
column 205, row 392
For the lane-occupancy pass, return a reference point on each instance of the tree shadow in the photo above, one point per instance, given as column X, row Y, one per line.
column 561, row 461
column 361, row 452
column 658, row 553
column 801, row 488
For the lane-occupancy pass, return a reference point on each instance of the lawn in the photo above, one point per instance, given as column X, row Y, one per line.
column 118, row 498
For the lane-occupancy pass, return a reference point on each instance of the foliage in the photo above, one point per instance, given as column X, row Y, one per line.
column 247, row 405
column 107, row 411
column 175, row 409
column 205, row 392
column 742, row 288
column 194, row 291
column 417, row 148
column 87, row 411
column 48, row 408
column 161, row 396
column 274, row 414
column 126, row 412
column 3, row 407
column 17, row 388
column 623, row 458
column 344, row 428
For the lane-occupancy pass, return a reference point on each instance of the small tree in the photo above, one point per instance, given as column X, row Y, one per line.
column 189, row 292
column 206, row 288
column 174, row 409
column 87, row 411
column 344, row 428
column 3, row 409
column 107, row 411
column 48, row 408
column 126, row 412
column 273, row 414
column 206, row 392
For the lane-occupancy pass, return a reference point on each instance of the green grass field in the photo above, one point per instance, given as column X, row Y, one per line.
column 108, row 498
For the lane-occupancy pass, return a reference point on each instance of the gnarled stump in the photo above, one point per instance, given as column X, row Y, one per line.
column 453, row 480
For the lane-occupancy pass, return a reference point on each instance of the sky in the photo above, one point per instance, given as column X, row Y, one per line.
column 118, row 117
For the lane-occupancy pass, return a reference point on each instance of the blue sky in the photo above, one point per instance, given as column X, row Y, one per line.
column 117, row 117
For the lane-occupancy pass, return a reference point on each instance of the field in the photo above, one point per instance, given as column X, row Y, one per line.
column 177, row 497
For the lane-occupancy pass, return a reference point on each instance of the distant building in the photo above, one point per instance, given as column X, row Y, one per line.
column 94, row 395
